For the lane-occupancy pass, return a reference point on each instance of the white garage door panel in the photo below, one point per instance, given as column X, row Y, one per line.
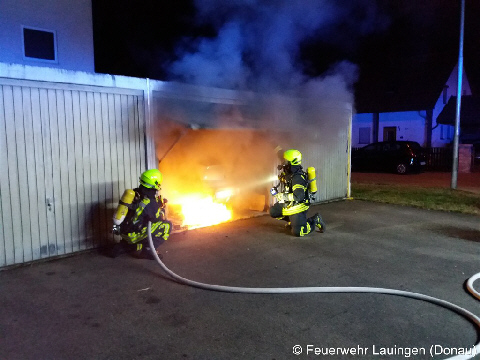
column 68, row 155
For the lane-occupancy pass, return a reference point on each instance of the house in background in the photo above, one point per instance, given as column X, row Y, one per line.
column 49, row 33
column 405, row 106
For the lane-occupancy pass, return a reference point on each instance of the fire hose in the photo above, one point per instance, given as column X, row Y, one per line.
column 470, row 285
column 327, row 289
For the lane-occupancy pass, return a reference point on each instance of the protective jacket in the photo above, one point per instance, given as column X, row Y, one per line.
column 147, row 207
column 296, row 188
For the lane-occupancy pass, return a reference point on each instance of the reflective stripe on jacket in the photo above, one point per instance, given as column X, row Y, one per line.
column 298, row 184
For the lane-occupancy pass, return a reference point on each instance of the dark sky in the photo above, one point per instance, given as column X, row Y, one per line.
column 390, row 41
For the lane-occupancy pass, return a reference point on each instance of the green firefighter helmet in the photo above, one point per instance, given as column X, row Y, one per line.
column 151, row 179
column 293, row 156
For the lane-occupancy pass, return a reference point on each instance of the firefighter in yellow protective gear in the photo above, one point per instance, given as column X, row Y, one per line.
column 293, row 200
column 148, row 205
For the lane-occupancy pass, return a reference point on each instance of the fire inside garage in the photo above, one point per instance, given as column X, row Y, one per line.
column 213, row 176
column 219, row 155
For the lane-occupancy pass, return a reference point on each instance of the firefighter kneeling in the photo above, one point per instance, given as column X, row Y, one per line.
column 136, row 208
column 293, row 200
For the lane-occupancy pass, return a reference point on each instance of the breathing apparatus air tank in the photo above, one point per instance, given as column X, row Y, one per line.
column 122, row 209
column 312, row 181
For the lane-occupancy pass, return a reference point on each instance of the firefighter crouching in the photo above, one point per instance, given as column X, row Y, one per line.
column 136, row 208
column 293, row 198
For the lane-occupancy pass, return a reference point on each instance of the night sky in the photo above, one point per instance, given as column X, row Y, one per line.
column 285, row 43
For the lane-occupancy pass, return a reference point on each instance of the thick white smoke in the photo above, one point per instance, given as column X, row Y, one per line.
column 258, row 43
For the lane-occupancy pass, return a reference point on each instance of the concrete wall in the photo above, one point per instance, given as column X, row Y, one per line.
column 71, row 20
column 408, row 124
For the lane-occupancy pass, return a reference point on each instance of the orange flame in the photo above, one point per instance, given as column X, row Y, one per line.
column 201, row 210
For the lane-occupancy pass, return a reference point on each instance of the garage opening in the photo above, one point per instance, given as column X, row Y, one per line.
column 218, row 149
column 216, row 175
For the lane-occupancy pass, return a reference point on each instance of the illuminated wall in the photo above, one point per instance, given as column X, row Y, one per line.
column 68, row 22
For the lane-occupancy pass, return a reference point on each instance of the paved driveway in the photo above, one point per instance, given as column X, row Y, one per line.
column 91, row 307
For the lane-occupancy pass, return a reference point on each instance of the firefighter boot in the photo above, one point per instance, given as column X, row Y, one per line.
column 319, row 223
column 116, row 250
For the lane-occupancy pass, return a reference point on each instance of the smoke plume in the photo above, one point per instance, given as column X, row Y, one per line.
column 257, row 48
column 258, row 42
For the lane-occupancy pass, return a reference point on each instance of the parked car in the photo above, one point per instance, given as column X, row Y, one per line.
column 400, row 157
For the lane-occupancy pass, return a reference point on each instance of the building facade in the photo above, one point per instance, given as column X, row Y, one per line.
column 48, row 33
column 414, row 124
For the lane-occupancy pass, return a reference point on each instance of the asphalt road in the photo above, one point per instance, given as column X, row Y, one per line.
column 92, row 307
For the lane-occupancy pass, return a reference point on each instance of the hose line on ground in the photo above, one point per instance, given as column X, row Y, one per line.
column 295, row 290
column 470, row 285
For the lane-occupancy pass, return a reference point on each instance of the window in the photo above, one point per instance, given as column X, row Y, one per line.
column 39, row 44
column 445, row 94
column 390, row 147
column 364, row 135
column 446, row 132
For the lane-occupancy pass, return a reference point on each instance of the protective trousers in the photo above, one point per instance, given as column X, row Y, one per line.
column 160, row 231
column 137, row 243
column 301, row 226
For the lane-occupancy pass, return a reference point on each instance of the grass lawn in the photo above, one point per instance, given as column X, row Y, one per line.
column 426, row 198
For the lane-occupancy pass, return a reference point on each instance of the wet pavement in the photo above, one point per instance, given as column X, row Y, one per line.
column 89, row 306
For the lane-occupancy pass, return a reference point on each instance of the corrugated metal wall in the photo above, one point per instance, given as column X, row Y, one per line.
column 67, row 153
column 330, row 154
column 324, row 141
column 330, row 163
